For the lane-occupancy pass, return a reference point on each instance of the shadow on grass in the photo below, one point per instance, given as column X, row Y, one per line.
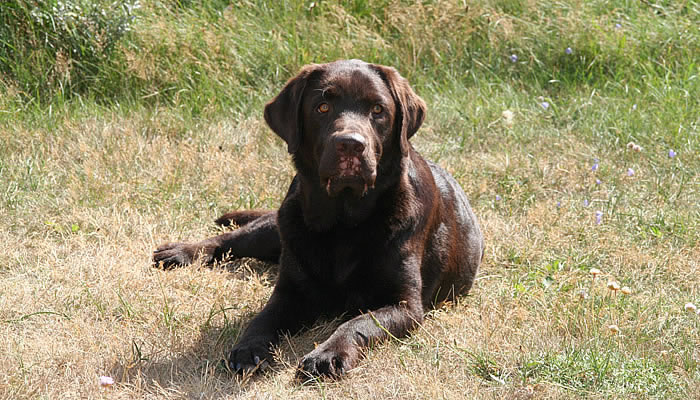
column 197, row 369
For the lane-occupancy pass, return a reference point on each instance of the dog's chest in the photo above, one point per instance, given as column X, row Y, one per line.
column 354, row 278
column 342, row 260
column 346, row 260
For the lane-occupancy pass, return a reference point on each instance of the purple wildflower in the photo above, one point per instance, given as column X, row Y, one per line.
column 585, row 203
column 630, row 172
column 598, row 217
column 598, row 182
column 595, row 166
column 558, row 204
column 568, row 50
column 498, row 198
column 671, row 153
column 106, row 381
column 513, row 58
column 618, row 26
column 544, row 105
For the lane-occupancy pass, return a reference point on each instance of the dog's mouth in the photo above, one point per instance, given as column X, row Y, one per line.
column 354, row 185
column 351, row 176
column 349, row 166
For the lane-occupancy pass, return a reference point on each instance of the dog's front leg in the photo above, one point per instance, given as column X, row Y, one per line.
column 287, row 311
column 342, row 351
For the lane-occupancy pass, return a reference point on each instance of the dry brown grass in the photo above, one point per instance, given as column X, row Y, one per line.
column 79, row 298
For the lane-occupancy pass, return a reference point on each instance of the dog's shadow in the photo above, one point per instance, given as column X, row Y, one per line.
column 197, row 369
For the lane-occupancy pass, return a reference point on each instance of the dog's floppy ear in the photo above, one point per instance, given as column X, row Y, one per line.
column 283, row 113
column 410, row 107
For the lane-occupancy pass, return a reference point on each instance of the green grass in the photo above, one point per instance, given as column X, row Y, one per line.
column 105, row 156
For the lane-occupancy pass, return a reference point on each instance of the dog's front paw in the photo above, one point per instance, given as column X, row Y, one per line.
column 327, row 361
column 171, row 255
column 250, row 357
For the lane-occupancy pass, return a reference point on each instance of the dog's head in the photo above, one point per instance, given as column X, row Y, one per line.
column 341, row 119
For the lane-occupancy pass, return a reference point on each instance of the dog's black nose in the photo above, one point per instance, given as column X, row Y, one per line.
column 350, row 144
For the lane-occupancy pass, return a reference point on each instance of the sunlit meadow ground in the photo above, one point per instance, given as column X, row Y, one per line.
column 91, row 183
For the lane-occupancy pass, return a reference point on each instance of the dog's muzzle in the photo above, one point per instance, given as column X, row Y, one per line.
column 348, row 166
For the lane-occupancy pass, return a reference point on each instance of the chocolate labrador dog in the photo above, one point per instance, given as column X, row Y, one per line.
column 368, row 228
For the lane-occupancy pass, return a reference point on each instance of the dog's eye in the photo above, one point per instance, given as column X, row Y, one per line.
column 377, row 109
column 323, row 108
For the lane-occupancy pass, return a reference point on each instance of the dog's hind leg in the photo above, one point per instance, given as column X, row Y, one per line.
column 241, row 218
